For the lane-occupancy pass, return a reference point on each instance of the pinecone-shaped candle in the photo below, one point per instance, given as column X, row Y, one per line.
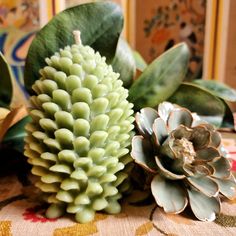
column 80, row 133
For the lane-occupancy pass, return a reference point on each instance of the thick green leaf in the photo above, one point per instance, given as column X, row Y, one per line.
column 225, row 93
column 199, row 100
column 218, row 89
column 124, row 63
column 5, row 82
column 14, row 137
column 141, row 64
column 100, row 25
column 161, row 78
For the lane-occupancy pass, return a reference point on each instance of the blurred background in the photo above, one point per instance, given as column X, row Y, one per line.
column 151, row 27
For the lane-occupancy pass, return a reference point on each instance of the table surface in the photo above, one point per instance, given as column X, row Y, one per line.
column 20, row 216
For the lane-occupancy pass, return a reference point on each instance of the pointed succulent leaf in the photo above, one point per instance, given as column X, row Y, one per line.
column 221, row 168
column 141, row 153
column 145, row 119
column 160, row 130
column 204, row 185
column 227, row 186
column 5, row 82
column 161, row 78
column 207, row 154
column 124, row 63
column 168, row 194
column 179, row 117
column 141, row 64
column 204, row 208
column 200, row 137
column 194, row 98
column 166, row 173
column 218, row 89
column 100, row 25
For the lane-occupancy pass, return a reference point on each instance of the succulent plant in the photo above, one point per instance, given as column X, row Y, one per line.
column 186, row 159
column 80, row 133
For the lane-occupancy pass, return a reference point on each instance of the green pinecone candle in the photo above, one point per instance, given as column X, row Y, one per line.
column 80, row 133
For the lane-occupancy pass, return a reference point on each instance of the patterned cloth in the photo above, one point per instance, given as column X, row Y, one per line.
column 20, row 216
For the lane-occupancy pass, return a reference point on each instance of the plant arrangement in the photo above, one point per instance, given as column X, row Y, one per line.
column 79, row 130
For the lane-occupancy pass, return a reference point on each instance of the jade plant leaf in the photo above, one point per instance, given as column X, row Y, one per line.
column 15, row 135
column 124, row 63
column 100, row 25
column 218, row 89
column 161, row 78
column 199, row 100
column 141, row 64
column 5, row 82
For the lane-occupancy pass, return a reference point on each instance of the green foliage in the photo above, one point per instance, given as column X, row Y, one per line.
column 161, row 78
column 14, row 137
column 141, row 64
column 201, row 101
column 5, row 82
column 124, row 63
column 218, row 89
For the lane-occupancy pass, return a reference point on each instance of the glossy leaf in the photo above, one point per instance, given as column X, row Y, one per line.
column 6, row 88
column 15, row 135
column 124, row 63
column 140, row 63
column 100, row 25
column 12, row 118
column 200, row 101
column 218, row 89
column 161, row 78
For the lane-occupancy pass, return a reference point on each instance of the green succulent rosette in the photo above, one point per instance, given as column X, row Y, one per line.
column 79, row 138
column 185, row 156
